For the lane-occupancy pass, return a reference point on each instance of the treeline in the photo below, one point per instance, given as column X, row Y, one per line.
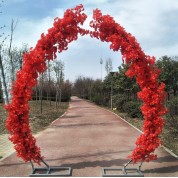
column 51, row 84
column 120, row 92
column 115, row 91
column 10, row 61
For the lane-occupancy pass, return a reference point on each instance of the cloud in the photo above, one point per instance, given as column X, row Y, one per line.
column 162, row 51
column 83, row 55
column 153, row 23
column 29, row 31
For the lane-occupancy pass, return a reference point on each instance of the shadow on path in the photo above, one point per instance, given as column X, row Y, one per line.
column 168, row 169
column 82, row 125
column 166, row 159
column 102, row 163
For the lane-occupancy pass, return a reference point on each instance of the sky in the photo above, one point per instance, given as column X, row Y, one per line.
column 152, row 22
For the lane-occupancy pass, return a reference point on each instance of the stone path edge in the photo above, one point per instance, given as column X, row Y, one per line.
column 36, row 136
column 164, row 147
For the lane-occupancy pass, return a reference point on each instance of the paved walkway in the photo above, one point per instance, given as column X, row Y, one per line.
column 6, row 146
column 88, row 138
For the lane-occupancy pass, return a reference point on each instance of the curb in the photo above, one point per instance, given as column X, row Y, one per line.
column 7, row 156
column 165, row 148
column 169, row 151
column 126, row 121
column 36, row 135
column 120, row 118
column 59, row 117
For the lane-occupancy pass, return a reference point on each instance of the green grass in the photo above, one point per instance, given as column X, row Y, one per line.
column 38, row 121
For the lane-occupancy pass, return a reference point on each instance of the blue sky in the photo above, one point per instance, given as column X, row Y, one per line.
column 153, row 23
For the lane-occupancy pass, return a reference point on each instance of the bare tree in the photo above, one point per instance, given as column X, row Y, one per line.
column 78, row 87
column 1, row 93
column 13, row 26
column 10, row 60
column 16, row 61
column 108, row 65
column 59, row 71
column 12, row 65
column 21, row 52
column 40, row 83
column 49, row 83
column 83, row 87
column 6, row 97
column 4, row 84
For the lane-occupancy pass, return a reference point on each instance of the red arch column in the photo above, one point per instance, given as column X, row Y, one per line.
column 64, row 31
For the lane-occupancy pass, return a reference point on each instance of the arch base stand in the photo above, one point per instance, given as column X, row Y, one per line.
column 122, row 172
column 55, row 171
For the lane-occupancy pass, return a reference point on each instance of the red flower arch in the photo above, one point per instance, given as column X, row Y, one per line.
column 63, row 32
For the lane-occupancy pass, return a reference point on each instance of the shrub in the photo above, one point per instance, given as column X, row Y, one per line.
column 118, row 101
column 97, row 99
column 173, row 106
column 172, row 124
column 106, row 100
column 132, row 108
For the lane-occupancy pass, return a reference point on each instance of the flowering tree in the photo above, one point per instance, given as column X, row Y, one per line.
column 64, row 31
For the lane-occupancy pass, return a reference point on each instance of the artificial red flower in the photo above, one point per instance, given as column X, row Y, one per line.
column 64, row 31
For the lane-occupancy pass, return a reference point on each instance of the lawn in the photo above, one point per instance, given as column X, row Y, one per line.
column 38, row 121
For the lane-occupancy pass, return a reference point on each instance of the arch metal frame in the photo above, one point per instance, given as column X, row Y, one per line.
column 64, row 31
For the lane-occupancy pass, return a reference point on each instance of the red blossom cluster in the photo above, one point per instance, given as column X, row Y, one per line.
column 143, row 68
column 63, row 32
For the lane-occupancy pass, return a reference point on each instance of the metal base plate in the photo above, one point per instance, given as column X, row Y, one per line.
column 116, row 172
column 52, row 172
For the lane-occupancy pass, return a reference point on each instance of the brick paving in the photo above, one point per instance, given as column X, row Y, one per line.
column 88, row 138
column 6, row 147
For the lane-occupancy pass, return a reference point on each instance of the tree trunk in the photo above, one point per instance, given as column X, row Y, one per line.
column 41, row 102
column 6, row 98
column 90, row 93
column 21, row 60
column 60, row 96
column 41, row 95
column 57, row 93
column 10, row 52
column 49, row 83
column 36, row 93
column 168, row 96
column 174, row 92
